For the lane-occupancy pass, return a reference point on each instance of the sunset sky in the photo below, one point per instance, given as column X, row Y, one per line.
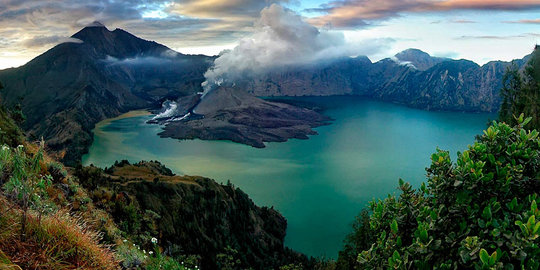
column 479, row 30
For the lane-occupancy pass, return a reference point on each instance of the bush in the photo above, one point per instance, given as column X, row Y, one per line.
column 479, row 213
column 57, row 171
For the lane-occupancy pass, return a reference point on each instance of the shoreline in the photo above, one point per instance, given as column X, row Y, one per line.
column 130, row 114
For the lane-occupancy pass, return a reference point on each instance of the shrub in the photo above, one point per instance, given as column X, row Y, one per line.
column 478, row 213
column 57, row 171
column 26, row 185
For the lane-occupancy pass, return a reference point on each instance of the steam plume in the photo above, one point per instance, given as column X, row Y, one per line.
column 281, row 38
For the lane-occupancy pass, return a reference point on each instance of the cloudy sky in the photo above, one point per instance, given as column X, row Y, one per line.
column 480, row 30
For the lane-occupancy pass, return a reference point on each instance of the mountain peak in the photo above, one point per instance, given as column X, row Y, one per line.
column 96, row 24
column 408, row 53
column 420, row 59
column 118, row 43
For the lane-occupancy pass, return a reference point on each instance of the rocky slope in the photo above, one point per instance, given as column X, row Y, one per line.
column 191, row 215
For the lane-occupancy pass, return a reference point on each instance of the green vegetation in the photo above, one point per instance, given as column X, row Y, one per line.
column 478, row 213
column 26, row 186
column 521, row 92
column 196, row 220
column 34, row 233
column 10, row 133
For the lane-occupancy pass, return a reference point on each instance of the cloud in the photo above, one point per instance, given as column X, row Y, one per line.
column 28, row 28
column 354, row 13
column 463, row 21
column 282, row 38
column 222, row 8
column 533, row 21
column 40, row 41
column 524, row 35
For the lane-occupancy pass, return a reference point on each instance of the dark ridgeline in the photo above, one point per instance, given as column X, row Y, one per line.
column 68, row 89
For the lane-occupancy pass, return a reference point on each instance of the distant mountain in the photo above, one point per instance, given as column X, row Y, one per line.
column 101, row 74
column 74, row 85
column 418, row 59
column 412, row 78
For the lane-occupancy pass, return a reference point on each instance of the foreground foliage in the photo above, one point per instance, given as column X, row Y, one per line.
column 34, row 233
column 478, row 213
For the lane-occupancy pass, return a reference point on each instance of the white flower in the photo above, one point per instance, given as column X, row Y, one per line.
column 154, row 240
column 133, row 244
column 124, row 240
column 150, row 252
column 144, row 251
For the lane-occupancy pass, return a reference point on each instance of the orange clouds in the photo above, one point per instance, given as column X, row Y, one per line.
column 351, row 13
column 535, row 21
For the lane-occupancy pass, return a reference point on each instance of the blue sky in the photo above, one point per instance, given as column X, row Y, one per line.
column 479, row 30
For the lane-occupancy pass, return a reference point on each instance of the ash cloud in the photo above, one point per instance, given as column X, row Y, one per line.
column 280, row 38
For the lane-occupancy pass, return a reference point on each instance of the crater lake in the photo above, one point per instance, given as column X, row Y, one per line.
column 319, row 184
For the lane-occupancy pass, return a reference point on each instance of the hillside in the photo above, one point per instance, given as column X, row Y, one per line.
column 191, row 215
column 10, row 133
column 88, row 218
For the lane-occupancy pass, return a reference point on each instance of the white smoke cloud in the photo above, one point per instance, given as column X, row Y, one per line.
column 281, row 37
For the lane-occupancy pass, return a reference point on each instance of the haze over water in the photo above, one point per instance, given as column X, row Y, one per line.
column 319, row 184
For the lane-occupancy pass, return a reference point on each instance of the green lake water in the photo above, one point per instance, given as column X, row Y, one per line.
column 319, row 184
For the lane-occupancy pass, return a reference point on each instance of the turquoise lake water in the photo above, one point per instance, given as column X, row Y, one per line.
column 319, row 184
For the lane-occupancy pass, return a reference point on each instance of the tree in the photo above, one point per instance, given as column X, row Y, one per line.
column 510, row 92
column 480, row 212
column 26, row 185
column 531, row 89
column 521, row 92
column 360, row 239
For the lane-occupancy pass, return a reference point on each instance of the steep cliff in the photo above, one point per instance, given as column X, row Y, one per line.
column 191, row 214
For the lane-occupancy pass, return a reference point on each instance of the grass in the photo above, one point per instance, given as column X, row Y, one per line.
column 59, row 241
column 148, row 174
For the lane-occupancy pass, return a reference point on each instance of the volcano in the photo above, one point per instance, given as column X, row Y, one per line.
column 230, row 113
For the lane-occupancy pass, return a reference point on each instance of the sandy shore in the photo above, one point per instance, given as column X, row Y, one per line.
column 129, row 114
